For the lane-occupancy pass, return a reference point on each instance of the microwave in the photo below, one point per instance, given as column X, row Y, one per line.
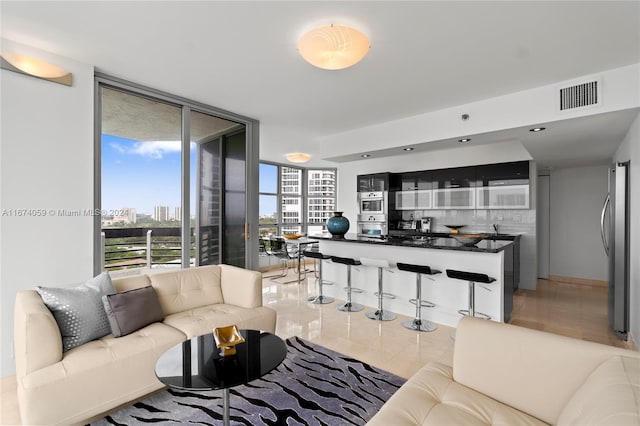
column 373, row 202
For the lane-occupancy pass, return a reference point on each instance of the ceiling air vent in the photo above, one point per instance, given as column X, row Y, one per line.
column 585, row 94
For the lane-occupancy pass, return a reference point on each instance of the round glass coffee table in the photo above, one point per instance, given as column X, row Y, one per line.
column 196, row 364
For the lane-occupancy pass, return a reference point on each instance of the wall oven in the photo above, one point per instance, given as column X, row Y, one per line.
column 372, row 225
column 373, row 202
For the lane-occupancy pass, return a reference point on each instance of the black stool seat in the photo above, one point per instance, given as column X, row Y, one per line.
column 418, row 269
column 469, row 276
column 316, row 255
column 345, row 260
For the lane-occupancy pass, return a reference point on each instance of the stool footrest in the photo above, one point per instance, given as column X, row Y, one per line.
column 354, row 290
column 423, row 303
column 386, row 295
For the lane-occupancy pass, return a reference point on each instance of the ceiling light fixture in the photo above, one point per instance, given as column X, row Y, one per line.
column 298, row 157
column 333, row 47
column 365, row 155
column 464, row 140
column 408, row 149
column 35, row 68
column 537, row 129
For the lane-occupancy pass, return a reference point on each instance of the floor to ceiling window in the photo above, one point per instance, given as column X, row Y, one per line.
column 170, row 175
column 295, row 199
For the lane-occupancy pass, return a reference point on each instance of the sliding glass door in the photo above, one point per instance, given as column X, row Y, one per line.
column 172, row 181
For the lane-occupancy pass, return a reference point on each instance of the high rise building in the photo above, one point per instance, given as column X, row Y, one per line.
column 161, row 213
column 177, row 213
column 321, row 195
column 130, row 214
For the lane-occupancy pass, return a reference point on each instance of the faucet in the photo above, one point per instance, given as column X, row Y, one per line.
column 495, row 228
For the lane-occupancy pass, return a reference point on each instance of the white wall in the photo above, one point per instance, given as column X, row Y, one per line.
column 46, row 158
column 629, row 150
column 576, row 197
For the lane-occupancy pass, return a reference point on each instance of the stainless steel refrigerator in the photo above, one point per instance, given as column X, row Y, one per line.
column 614, row 227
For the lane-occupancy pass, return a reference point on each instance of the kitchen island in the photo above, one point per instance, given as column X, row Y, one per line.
column 490, row 256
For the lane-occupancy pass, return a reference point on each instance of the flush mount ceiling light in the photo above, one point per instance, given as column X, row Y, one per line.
column 298, row 157
column 35, row 68
column 537, row 129
column 365, row 155
column 408, row 149
column 333, row 47
column 464, row 140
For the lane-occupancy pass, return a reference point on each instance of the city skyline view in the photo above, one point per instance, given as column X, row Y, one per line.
column 144, row 175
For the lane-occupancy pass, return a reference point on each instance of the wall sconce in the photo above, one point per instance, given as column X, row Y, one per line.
column 298, row 157
column 333, row 47
column 35, row 68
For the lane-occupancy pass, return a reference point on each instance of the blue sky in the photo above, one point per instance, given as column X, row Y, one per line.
column 142, row 175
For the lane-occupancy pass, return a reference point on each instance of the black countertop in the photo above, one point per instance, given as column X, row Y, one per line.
column 492, row 244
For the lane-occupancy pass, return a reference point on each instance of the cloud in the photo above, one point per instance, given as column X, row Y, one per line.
column 154, row 149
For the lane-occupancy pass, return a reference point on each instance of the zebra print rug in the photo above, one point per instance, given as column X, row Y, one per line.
column 313, row 386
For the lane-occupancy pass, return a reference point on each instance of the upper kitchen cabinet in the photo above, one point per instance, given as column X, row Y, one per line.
column 413, row 190
column 454, row 188
column 503, row 186
column 373, row 183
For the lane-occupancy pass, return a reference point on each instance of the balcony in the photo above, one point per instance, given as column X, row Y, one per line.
column 144, row 247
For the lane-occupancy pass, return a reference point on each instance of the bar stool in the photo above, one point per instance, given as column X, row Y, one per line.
column 380, row 314
column 319, row 257
column 472, row 278
column 349, row 306
column 418, row 323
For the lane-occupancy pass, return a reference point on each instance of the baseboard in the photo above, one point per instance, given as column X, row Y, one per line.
column 579, row 281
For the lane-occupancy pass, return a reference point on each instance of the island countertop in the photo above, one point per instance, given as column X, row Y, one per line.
column 491, row 244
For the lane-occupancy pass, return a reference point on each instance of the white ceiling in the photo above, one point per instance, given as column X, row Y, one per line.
column 425, row 56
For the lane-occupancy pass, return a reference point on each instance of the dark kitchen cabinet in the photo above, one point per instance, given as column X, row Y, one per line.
column 373, row 182
column 514, row 173
column 413, row 190
column 454, row 188
column 503, row 186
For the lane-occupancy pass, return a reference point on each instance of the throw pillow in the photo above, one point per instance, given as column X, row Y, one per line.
column 78, row 311
column 131, row 310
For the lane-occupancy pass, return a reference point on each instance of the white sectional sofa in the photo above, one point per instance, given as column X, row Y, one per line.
column 71, row 387
column 508, row 375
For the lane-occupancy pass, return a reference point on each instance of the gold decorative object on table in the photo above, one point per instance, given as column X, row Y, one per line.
column 293, row 236
column 227, row 338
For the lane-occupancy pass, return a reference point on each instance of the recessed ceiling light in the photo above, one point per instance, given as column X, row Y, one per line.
column 537, row 129
column 408, row 149
column 464, row 140
column 365, row 155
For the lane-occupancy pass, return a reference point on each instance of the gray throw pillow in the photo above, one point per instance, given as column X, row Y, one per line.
column 131, row 310
column 79, row 311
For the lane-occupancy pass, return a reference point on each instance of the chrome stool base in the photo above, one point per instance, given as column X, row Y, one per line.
column 477, row 314
column 419, row 325
column 381, row 315
column 320, row 300
column 350, row 307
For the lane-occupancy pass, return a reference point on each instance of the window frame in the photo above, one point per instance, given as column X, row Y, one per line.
column 304, row 223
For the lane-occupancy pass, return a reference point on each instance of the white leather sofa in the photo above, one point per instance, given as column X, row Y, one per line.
column 508, row 375
column 71, row 387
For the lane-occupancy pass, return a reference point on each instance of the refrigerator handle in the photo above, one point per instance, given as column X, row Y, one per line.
column 605, row 243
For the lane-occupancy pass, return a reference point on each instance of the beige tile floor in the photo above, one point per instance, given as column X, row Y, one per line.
column 561, row 308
